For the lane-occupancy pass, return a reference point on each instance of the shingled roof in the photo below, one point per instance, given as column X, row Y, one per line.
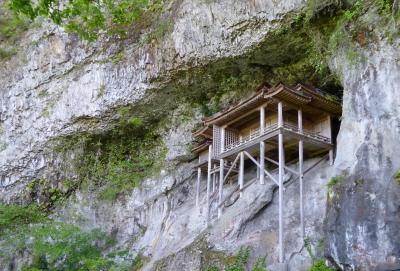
column 299, row 95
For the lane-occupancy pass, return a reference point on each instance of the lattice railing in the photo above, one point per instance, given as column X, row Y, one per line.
column 287, row 125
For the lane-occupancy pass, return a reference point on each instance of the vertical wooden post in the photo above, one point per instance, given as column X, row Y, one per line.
column 280, row 115
column 208, row 183
column 221, row 172
column 281, row 172
column 241, row 173
column 221, row 185
column 300, row 120
column 330, row 138
column 198, row 186
column 300, row 124
column 214, row 178
column 262, row 146
column 258, row 168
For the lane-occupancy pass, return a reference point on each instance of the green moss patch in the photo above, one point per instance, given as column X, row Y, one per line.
column 117, row 160
column 11, row 29
column 320, row 266
column 397, row 177
column 54, row 245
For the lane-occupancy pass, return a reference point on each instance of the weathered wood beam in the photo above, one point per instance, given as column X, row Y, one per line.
column 208, row 183
column 198, row 186
column 281, row 173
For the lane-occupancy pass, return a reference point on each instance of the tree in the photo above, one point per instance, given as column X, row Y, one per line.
column 85, row 17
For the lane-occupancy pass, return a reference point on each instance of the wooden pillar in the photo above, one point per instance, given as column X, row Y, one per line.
column 221, row 172
column 262, row 146
column 331, row 159
column 208, row 183
column 301, row 149
column 300, row 120
column 214, row 178
column 221, row 185
column 258, row 168
column 241, row 173
column 281, row 173
column 198, row 186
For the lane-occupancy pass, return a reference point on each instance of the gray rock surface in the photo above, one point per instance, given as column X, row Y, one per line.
column 362, row 221
column 57, row 86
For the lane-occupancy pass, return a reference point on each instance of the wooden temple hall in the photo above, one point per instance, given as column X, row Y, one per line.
column 273, row 127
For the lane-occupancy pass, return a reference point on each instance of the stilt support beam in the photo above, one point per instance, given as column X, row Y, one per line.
column 281, row 172
column 198, row 186
column 208, row 184
column 301, row 157
column 221, row 185
column 241, row 173
column 262, row 146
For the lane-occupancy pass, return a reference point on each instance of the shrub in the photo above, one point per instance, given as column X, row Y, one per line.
column 260, row 265
column 7, row 53
column 59, row 246
column 334, row 181
column 241, row 259
column 12, row 215
column 397, row 177
column 320, row 266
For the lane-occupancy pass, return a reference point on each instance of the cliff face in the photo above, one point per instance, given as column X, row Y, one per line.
column 361, row 220
column 59, row 96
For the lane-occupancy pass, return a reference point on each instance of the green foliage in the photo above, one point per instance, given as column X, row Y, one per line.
column 384, row 6
column 260, row 265
column 3, row 146
column 12, row 215
column 138, row 262
column 118, row 160
column 307, row 246
column 59, row 246
column 397, row 177
column 118, row 57
column 333, row 182
column 11, row 27
column 53, row 193
column 86, row 18
column 160, row 29
column 6, row 53
column 241, row 259
column 320, row 266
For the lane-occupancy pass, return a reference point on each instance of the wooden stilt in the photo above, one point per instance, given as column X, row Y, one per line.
column 221, row 185
column 262, row 146
column 198, row 186
column 262, row 162
column 208, row 183
column 241, row 173
column 258, row 168
column 281, row 173
column 281, row 165
column 301, row 188
column 280, row 115
column 301, row 155
column 331, row 159
column 214, row 179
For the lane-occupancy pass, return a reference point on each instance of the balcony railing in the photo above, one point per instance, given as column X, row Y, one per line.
column 288, row 126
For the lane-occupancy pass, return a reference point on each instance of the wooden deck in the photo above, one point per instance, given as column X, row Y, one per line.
column 251, row 143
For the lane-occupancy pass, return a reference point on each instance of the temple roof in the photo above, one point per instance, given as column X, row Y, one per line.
column 201, row 146
column 299, row 95
column 203, row 132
